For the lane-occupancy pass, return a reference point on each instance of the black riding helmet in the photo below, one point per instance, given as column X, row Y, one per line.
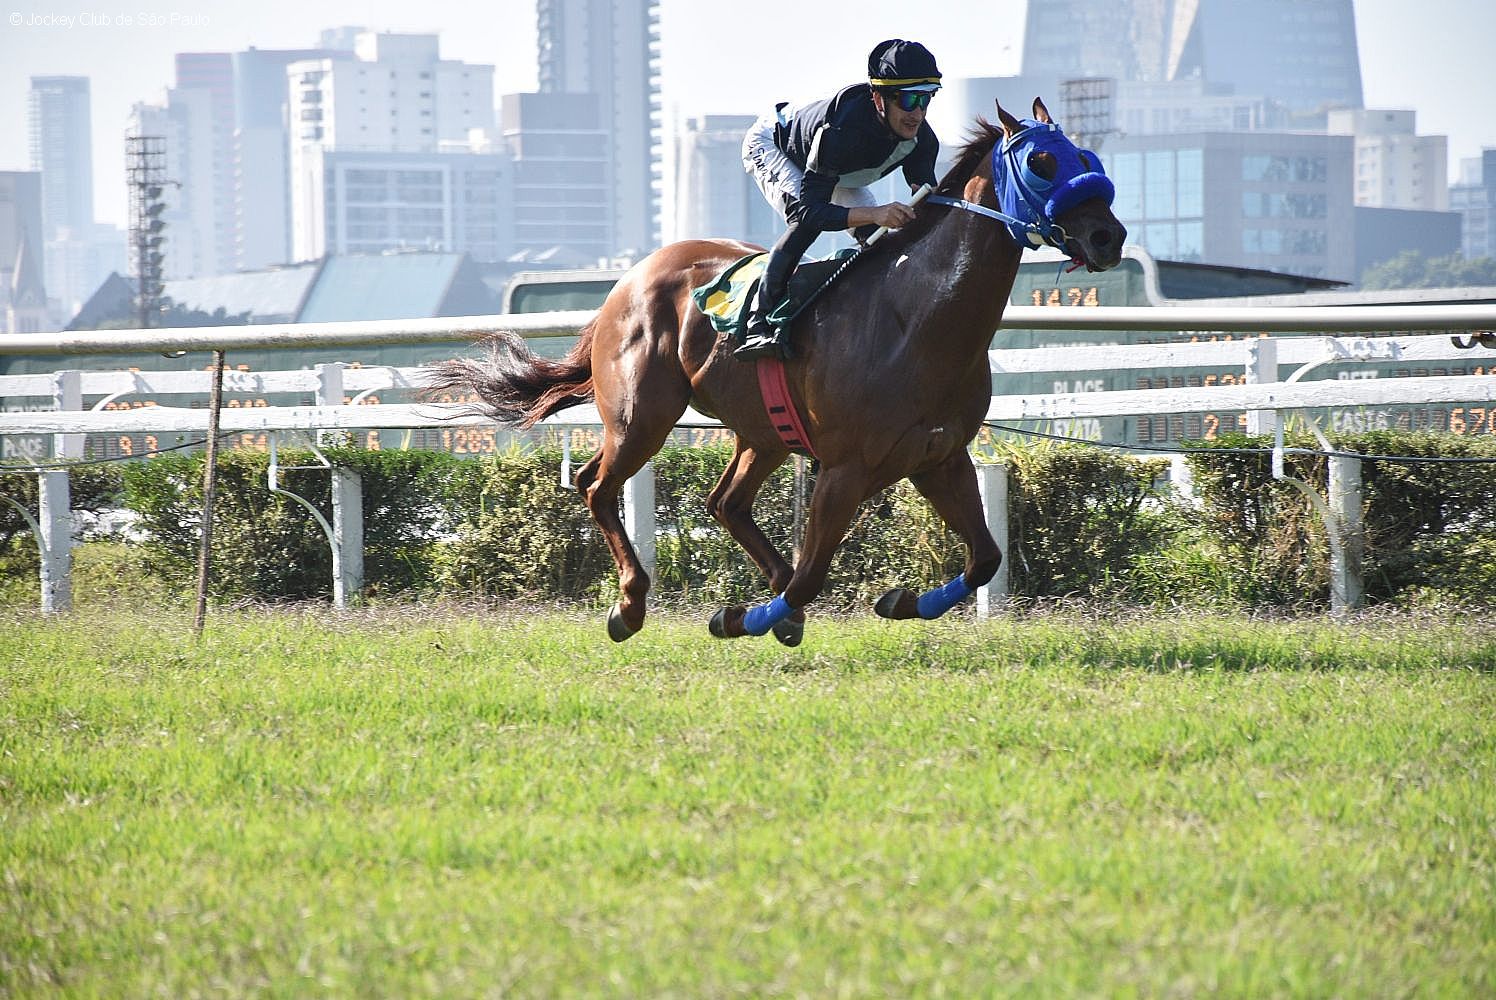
column 900, row 65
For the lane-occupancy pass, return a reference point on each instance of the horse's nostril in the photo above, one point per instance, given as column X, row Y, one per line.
column 1101, row 238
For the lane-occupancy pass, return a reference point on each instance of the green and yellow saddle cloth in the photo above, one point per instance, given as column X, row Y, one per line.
column 727, row 298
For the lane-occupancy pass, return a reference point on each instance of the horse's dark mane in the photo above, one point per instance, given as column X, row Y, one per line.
column 980, row 139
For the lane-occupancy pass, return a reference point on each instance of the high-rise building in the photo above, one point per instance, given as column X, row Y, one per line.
column 395, row 95
column 62, row 151
column 196, row 122
column 1137, row 108
column 1065, row 39
column 211, row 187
column 74, row 253
column 1302, row 53
column 1395, row 167
column 1195, row 105
column 1211, row 144
column 77, row 265
column 1474, row 197
column 562, row 198
column 262, row 175
column 611, row 48
column 714, row 195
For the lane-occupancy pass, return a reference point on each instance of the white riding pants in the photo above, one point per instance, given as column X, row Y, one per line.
column 779, row 178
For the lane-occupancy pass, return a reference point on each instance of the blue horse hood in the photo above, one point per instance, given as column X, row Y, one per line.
column 1035, row 201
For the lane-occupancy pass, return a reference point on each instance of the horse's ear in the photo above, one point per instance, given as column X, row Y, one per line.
column 1041, row 113
column 1011, row 126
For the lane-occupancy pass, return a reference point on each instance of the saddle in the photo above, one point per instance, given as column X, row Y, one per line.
column 727, row 298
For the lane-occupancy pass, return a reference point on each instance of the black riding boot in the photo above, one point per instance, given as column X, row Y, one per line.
column 762, row 340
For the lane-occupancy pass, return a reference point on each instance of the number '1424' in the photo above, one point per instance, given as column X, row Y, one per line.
column 1072, row 296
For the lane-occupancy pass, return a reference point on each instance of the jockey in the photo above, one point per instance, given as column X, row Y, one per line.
column 814, row 164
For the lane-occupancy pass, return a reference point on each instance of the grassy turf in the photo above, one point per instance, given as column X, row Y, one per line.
column 464, row 804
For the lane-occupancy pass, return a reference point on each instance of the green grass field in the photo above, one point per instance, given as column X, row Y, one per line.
column 465, row 803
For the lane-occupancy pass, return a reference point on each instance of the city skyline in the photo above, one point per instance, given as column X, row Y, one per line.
column 132, row 62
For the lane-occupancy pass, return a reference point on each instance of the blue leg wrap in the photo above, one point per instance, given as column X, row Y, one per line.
column 934, row 603
column 762, row 617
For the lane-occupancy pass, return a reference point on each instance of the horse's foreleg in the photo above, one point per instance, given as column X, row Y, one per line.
column 731, row 503
column 951, row 488
column 832, row 505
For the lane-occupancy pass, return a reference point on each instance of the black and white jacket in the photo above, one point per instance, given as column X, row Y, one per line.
column 842, row 142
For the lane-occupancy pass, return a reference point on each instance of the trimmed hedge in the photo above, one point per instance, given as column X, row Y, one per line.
column 507, row 528
column 268, row 547
column 1085, row 523
column 1430, row 527
column 1078, row 516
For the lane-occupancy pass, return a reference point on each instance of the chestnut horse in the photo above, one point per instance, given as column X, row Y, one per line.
column 890, row 371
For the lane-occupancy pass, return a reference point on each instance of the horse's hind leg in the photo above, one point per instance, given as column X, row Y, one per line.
column 629, row 440
column 951, row 488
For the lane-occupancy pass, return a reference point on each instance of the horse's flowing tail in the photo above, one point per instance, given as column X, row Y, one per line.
column 516, row 386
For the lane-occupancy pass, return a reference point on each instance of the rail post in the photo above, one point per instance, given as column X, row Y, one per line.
column 992, row 481
column 1347, row 588
column 348, row 528
column 1182, row 479
column 54, row 502
column 347, row 503
column 639, row 515
column 1262, row 368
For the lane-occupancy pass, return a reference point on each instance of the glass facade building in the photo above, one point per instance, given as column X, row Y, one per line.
column 1301, row 53
column 1278, row 201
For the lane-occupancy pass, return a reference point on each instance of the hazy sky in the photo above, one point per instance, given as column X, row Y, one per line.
column 717, row 57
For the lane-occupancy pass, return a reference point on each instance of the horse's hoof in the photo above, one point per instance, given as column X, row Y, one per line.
column 718, row 624
column 792, row 630
column 898, row 604
column 618, row 629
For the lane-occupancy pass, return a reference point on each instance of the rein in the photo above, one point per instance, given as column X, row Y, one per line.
column 1053, row 234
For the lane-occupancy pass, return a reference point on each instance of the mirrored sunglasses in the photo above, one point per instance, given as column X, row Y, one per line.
column 911, row 100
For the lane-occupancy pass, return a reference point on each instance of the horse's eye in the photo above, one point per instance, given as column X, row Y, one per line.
column 1085, row 161
column 1044, row 165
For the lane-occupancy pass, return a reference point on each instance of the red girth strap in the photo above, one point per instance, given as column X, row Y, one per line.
column 781, row 409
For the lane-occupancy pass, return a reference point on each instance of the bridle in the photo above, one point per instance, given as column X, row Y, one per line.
column 1023, row 210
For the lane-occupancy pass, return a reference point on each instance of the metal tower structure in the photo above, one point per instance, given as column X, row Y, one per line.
column 145, row 175
column 1087, row 113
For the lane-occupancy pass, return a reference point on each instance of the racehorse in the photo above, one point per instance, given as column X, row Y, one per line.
column 890, row 372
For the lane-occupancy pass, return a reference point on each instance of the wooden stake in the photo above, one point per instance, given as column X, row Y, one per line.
column 210, row 484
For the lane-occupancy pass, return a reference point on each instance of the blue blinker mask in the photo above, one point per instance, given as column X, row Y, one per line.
column 1034, row 202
